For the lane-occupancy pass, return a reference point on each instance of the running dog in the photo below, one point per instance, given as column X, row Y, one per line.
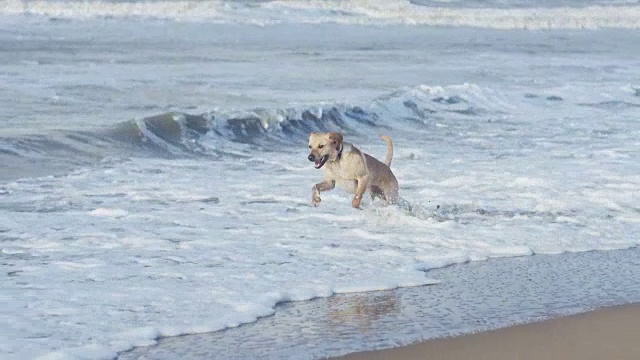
column 351, row 169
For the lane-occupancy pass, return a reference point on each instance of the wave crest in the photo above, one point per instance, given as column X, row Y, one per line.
column 180, row 132
column 177, row 134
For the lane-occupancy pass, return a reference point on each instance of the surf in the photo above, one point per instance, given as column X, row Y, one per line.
column 352, row 12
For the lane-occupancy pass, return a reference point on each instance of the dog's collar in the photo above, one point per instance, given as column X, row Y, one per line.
column 340, row 152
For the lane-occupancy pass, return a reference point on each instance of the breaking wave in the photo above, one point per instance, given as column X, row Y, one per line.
column 178, row 134
column 355, row 12
column 223, row 133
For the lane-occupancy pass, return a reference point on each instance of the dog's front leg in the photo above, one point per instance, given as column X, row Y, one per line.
column 363, row 182
column 321, row 186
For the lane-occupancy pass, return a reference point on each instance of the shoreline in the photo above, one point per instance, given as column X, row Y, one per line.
column 473, row 297
column 606, row 333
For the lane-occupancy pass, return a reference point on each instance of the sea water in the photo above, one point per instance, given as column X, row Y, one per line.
column 153, row 172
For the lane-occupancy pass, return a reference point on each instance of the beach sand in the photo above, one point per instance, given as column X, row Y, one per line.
column 610, row 333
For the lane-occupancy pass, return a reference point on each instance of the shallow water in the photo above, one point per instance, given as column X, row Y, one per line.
column 472, row 297
column 154, row 177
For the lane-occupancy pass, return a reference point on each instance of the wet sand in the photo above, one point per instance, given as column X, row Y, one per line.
column 610, row 333
column 472, row 297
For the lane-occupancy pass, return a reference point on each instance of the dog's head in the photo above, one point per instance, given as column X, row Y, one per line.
column 324, row 147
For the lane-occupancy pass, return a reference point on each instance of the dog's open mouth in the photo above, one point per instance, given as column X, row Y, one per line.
column 319, row 162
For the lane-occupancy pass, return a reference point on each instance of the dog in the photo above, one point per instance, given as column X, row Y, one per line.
column 351, row 169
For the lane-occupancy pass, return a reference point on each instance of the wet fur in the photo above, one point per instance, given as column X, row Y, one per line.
column 352, row 170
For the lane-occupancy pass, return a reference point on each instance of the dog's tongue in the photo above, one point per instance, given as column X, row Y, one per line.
column 319, row 162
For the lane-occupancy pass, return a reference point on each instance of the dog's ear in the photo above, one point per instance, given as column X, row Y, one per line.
column 336, row 138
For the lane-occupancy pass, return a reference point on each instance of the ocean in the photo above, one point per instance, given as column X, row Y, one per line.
column 154, row 179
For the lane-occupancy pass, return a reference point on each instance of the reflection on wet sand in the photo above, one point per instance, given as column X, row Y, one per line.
column 361, row 310
column 354, row 322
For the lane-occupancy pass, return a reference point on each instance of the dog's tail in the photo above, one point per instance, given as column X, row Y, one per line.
column 387, row 139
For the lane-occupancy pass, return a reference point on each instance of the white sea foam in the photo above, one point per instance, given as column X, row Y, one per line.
column 535, row 152
column 109, row 212
column 179, row 270
column 354, row 12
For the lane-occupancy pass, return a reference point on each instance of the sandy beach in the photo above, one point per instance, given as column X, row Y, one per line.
column 610, row 333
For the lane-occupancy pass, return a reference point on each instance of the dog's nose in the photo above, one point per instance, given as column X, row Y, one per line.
column 311, row 158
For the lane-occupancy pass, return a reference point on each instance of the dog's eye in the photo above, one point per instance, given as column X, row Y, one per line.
column 320, row 146
column 309, row 146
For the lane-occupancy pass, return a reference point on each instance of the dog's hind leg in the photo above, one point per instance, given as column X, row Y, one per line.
column 376, row 192
column 390, row 194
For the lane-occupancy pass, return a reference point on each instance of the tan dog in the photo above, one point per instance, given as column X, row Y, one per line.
column 351, row 169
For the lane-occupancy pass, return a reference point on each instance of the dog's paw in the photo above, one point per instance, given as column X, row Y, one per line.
column 315, row 200
column 355, row 203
